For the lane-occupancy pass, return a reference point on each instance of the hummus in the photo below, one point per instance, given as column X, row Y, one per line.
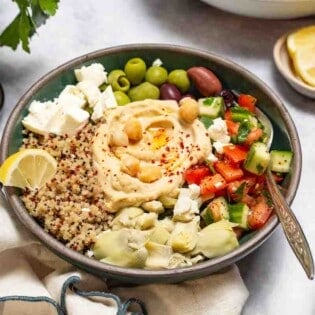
column 166, row 142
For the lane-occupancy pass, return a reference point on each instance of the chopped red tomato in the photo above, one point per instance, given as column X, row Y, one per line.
column 260, row 213
column 196, row 173
column 238, row 190
column 253, row 136
column 232, row 127
column 228, row 115
column 229, row 171
column 277, row 177
column 212, row 184
column 247, row 101
column 235, row 153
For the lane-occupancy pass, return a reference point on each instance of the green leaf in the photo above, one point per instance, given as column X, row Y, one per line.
column 10, row 36
column 22, row 4
column 24, row 30
column 49, row 7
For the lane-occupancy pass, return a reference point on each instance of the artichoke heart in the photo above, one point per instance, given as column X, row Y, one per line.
column 159, row 235
column 216, row 239
column 158, row 255
column 123, row 248
column 184, row 236
column 126, row 218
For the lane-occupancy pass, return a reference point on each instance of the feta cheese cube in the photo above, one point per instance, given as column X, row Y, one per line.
column 94, row 73
column 71, row 96
column 218, row 131
column 90, row 91
column 107, row 100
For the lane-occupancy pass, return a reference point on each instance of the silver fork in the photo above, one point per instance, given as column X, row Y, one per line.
column 290, row 225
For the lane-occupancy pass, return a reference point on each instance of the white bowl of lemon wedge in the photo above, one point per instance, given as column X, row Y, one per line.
column 294, row 56
column 268, row 9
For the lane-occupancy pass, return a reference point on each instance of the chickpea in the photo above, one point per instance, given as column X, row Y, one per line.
column 149, row 173
column 189, row 109
column 133, row 129
column 130, row 165
column 118, row 138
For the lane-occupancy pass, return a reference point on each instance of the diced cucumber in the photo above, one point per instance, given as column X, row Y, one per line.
column 238, row 214
column 207, row 121
column 280, row 161
column 257, row 159
column 212, row 107
column 240, row 114
column 217, row 209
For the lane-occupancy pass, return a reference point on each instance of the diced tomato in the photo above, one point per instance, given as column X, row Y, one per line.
column 196, row 173
column 228, row 115
column 235, row 153
column 254, row 135
column 212, row 184
column 232, row 127
column 247, row 101
column 260, row 213
column 277, row 177
column 229, row 171
column 238, row 190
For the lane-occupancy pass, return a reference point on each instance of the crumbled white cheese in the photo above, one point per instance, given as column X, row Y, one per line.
column 218, row 133
column 157, row 62
column 107, row 100
column 94, row 72
column 212, row 158
column 52, row 117
column 187, row 204
column 194, row 191
column 90, row 91
column 71, row 96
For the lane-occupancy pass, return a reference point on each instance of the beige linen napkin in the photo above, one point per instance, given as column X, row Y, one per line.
column 35, row 281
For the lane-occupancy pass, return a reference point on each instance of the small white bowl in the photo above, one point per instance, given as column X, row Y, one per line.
column 284, row 64
column 268, row 9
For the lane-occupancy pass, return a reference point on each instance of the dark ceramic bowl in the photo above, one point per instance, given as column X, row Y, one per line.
column 231, row 75
column 1, row 96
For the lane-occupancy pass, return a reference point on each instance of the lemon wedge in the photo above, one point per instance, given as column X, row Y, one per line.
column 300, row 39
column 304, row 64
column 28, row 168
column 301, row 48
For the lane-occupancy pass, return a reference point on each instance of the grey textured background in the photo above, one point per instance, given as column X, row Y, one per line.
column 276, row 282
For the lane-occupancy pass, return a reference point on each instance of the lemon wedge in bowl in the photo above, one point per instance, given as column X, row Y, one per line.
column 28, row 168
column 301, row 48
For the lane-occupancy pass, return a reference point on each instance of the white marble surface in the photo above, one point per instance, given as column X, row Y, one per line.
column 276, row 282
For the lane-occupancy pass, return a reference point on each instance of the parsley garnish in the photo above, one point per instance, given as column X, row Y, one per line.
column 32, row 14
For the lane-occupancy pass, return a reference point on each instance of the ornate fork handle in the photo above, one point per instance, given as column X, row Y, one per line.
column 291, row 228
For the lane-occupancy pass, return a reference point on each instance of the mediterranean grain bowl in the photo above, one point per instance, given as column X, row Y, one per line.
column 145, row 166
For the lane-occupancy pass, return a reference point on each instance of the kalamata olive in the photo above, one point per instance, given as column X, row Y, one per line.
column 228, row 97
column 169, row 91
column 205, row 81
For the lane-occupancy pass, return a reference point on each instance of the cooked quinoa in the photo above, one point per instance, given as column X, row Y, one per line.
column 71, row 205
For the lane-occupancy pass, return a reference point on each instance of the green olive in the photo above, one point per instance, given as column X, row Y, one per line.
column 180, row 79
column 143, row 91
column 121, row 98
column 135, row 69
column 118, row 80
column 156, row 75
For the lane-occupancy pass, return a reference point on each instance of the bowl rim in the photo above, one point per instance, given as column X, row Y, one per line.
column 286, row 72
column 1, row 96
column 142, row 275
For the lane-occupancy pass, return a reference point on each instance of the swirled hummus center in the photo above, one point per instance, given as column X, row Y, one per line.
column 142, row 151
